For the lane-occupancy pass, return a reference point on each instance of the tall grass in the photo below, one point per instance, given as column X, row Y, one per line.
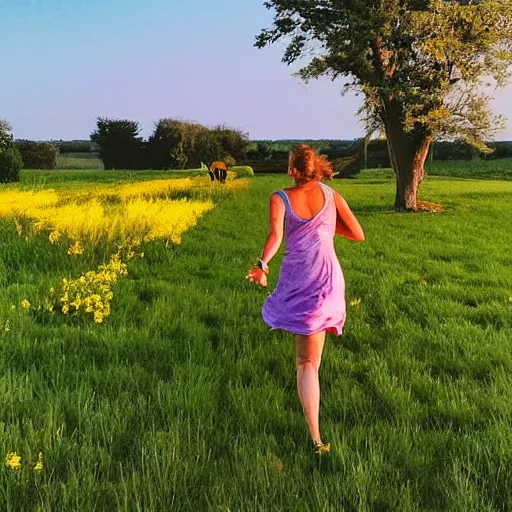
column 183, row 400
column 79, row 161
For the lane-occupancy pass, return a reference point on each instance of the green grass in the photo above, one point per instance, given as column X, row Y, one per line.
column 499, row 169
column 79, row 161
column 183, row 399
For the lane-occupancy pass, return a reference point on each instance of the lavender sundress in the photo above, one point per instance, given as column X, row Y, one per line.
column 310, row 293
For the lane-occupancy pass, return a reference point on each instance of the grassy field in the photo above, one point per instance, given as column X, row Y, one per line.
column 181, row 399
column 76, row 161
column 500, row 169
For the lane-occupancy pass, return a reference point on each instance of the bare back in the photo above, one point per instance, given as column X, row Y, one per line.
column 306, row 200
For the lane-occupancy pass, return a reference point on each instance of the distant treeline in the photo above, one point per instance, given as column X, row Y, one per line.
column 440, row 150
column 178, row 144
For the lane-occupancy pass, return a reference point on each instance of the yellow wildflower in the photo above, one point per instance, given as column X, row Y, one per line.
column 355, row 302
column 54, row 236
column 76, row 249
column 39, row 463
column 25, row 303
column 13, row 460
column 98, row 317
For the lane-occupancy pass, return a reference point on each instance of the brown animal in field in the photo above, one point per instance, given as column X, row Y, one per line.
column 218, row 171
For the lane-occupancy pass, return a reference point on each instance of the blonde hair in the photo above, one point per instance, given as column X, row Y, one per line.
column 307, row 165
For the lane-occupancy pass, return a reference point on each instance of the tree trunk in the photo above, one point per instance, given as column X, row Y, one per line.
column 407, row 153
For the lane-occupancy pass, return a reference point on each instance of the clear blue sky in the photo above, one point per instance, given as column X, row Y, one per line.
column 66, row 62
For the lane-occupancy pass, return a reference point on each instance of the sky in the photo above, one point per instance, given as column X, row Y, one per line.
column 67, row 62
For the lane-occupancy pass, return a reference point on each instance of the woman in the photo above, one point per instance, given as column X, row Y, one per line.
column 309, row 299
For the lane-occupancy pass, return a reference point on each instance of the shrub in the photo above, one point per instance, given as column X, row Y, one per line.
column 242, row 171
column 38, row 155
column 233, row 142
column 10, row 165
column 229, row 161
column 120, row 146
column 207, row 149
column 78, row 146
column 172, row 144
column 5, row 135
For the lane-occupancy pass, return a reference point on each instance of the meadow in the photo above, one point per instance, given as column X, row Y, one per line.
column 180, row 398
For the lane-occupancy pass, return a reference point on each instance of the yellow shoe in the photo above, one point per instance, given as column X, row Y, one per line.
column 322, row 448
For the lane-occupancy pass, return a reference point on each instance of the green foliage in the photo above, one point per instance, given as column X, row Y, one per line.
column 10, row 165
column 172, row 143
column 242, row 171
column 229, row 161
column 78, row 146
column 38, row 155
column 419, row 64
column 428, row 57
column 177, row 144
column 6, row 140
column 120, row 146
column 207, row 149
column 234, row 142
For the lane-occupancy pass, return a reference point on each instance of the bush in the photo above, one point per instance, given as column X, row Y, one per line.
column 78, row 146
column 242, row 171
column 229, row 161
column 5, row 135
column 234, row 143
column 10, row 165
column 38, row 155
column 207, row 149
column 172, row 144
column 120, row 146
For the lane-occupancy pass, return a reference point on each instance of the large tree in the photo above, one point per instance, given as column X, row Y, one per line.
column 420, row 64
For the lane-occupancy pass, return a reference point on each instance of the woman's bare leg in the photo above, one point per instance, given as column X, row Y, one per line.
column 309, row 355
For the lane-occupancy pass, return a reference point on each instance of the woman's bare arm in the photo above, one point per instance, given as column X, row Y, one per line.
column 274, row 239
column 346, row 223
column 276, row 228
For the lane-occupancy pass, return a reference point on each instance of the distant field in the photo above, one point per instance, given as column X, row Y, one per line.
column 181, row 399
column 470, row 169
column 79, row 161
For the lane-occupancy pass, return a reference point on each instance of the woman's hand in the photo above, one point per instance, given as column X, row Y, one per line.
column 256, row 275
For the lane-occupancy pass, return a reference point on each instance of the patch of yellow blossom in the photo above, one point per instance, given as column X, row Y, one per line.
column 355, row 302
column 161, row 219
column 113, row 212
column 76, row 249
column 129, row 214
column 13, row 460
column 54, row 236
column 92, row 291
column 153, row 189
column 19, row 202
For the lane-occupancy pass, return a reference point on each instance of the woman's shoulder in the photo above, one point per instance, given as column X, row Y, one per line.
column 278, row 194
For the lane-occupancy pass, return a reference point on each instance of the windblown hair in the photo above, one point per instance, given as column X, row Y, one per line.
column 306, row 165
